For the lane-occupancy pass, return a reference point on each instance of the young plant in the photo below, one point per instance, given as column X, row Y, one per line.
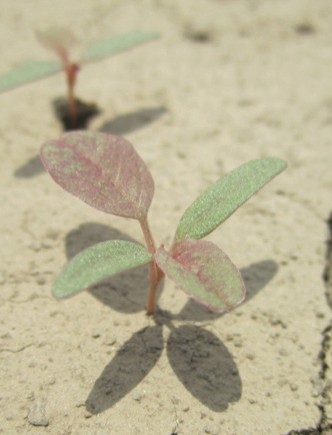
column 106, row 172
column 61, row 42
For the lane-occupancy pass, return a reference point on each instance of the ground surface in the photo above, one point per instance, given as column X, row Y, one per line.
column 228, row 81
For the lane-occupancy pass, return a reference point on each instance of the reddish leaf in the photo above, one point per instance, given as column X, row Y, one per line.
column 102, row 170
column 57, row 39
column 203, row 271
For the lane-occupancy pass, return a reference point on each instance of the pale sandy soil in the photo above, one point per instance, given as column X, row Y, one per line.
column 228, row 81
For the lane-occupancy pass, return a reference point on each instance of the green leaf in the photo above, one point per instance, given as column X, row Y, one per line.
column 116, row 44
column 28, row 72
column 98, row 262
column 221, row 199
column 204, row 272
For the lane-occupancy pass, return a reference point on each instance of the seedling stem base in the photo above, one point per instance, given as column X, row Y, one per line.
column 155, row 274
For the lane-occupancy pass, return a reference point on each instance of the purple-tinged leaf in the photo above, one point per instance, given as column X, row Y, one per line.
column 225, row 196
column 116, row 44
column 102, row 170
column 28, row 72
column 204, row 272
column 59, row 40
column 98, row 262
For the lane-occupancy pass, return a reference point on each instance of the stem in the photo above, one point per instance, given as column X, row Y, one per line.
column 147, row 235
column 155, row 274
column 71, row 70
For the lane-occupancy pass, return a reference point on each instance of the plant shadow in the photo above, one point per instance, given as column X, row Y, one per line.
column 125, row 292
column 30, row 169
column 125, row 124
column 255, row 277
column 119, row 126
column 127, row 369
column 205, row 366
column 202, row 363
column 85, row 113
column 90, row 233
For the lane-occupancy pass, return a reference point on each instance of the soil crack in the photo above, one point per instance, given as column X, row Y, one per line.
column 324, row 426
column 17, row 350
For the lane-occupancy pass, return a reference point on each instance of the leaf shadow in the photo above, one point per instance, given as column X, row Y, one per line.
column 256, row 276
column 204, row 366
column 129, row 122
column 119, row 126
column 30, row 169
column 127, row 369
column 125, row 292
column 90, row 233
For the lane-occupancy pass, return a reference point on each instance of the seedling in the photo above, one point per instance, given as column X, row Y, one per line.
column 106, row 172
column 61, row 42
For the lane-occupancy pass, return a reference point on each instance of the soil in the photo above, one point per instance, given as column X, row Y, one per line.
column 226, row 82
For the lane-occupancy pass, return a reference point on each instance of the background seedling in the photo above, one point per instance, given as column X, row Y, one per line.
column 61, row 42
column 106, row 172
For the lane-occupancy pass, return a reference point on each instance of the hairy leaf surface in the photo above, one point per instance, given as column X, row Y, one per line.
column 102, row 170
column 116, row 44
column 28, row 72
column 204, row 272
column 221, row 199
column 98, row 262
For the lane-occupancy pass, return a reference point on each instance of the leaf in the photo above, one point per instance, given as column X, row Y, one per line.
column 98, row 262
column 221, row 199
column 204, row 272
column 28, row 72
column 116, row 44
column 59, row 40
column 102, row 170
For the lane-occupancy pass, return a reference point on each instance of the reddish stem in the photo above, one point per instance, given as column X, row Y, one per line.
column 155, row 274
column 71, row 71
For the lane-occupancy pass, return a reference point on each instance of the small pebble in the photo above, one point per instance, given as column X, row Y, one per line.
column 47, row 243
column 35, row 245
column 238, row 342
column 38, row 415
column 40, row 280
column 293, row 387
column 250, row 356
column 283, row 352
column 212, row 429
column 138, row 395
column 52, row 234
column 109, row 340
column 318, row 386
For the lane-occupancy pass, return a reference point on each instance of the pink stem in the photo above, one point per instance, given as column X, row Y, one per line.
column 71, row 70
column 155, row 274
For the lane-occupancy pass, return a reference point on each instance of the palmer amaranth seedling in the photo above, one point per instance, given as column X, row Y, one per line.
column 61, row 42
column 106, row 172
